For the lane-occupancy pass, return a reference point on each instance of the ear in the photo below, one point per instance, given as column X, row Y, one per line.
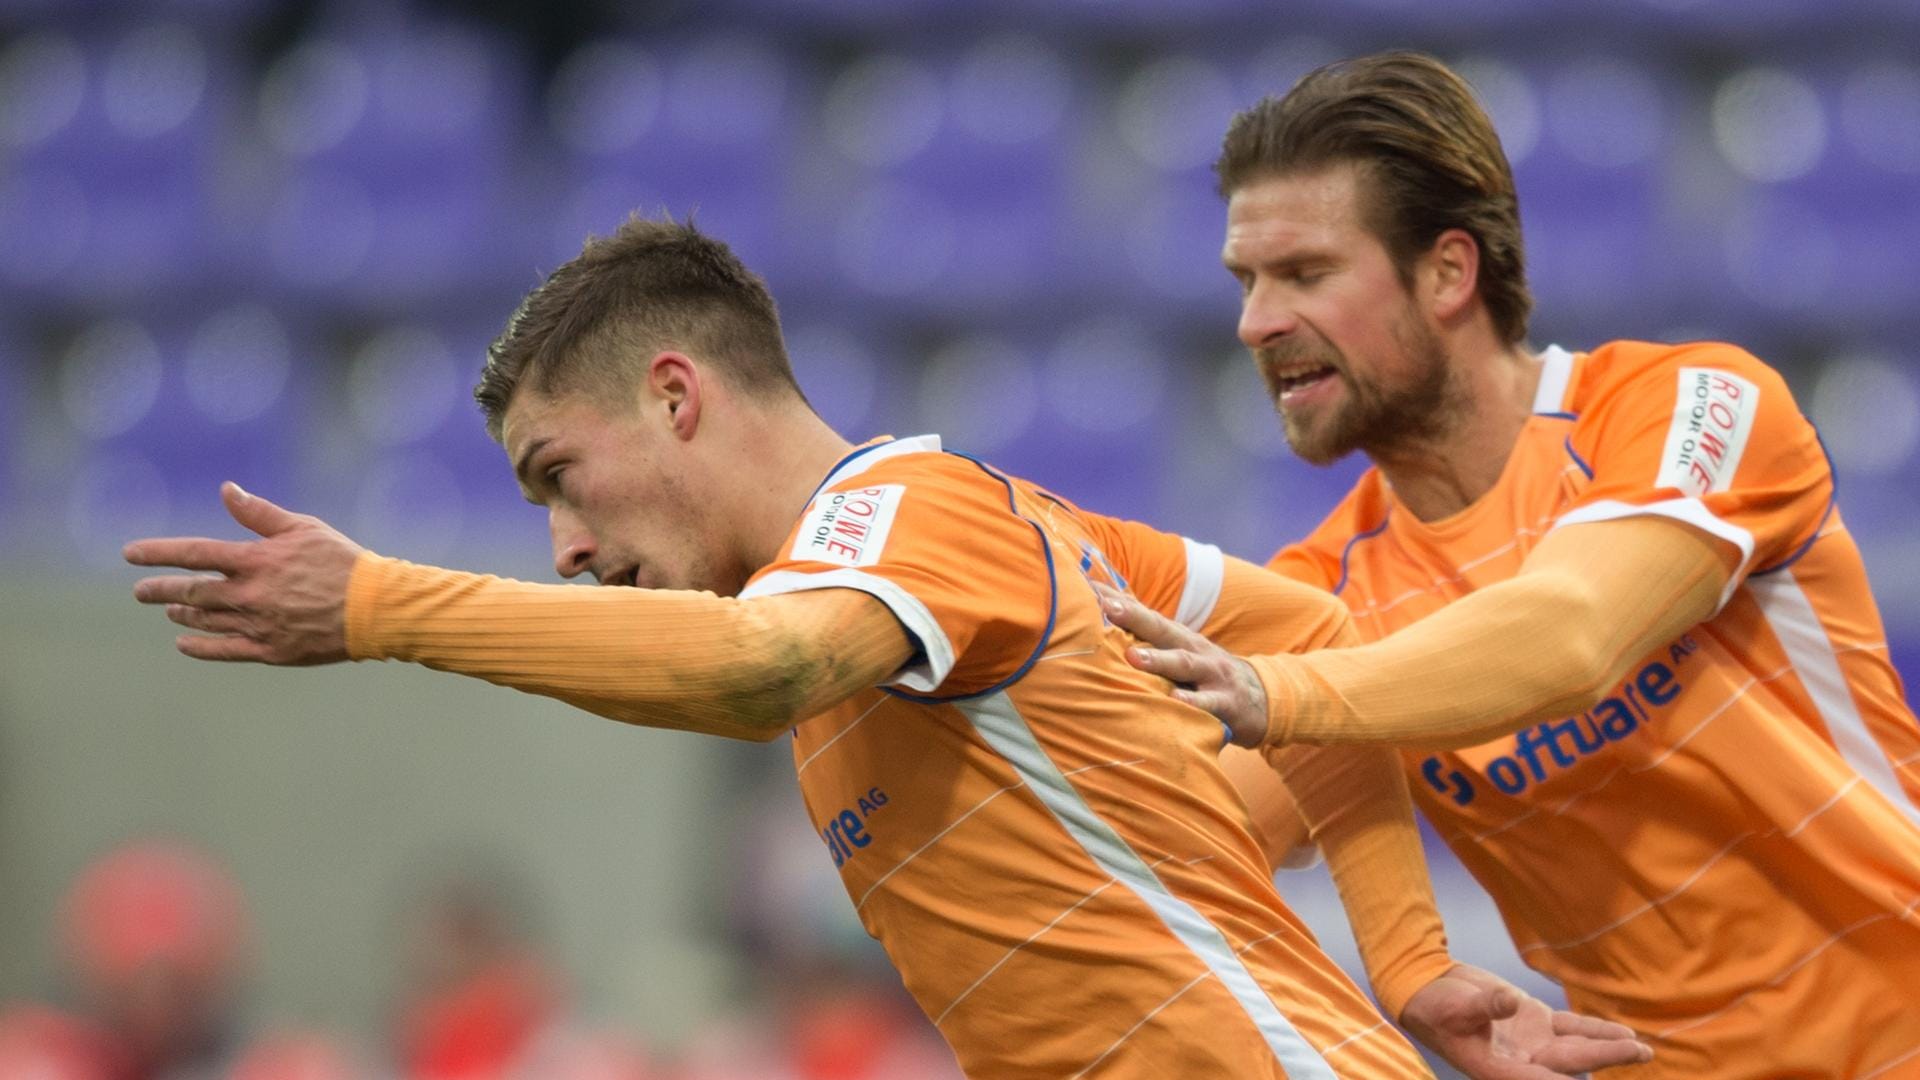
column 674, row 389
column 1450, row 274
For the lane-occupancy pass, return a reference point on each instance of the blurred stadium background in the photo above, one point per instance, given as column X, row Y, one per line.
column 269, row 241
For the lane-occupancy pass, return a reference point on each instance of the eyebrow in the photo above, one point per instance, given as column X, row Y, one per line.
column 521, row 466
column 1293, row 261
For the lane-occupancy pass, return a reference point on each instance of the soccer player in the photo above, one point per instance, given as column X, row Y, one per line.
column 1045, row 843
column 1615, row 619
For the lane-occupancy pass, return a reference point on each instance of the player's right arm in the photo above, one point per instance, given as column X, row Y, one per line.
column 692, row 661
column 302, row 593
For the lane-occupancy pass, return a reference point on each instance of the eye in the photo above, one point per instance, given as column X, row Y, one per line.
column 553, row 477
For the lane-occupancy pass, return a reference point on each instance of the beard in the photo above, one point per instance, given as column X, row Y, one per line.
column 1383, row 420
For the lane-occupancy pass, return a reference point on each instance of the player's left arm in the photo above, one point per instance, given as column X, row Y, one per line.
column 304, row 594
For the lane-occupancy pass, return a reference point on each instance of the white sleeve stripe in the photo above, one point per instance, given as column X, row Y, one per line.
column 1692, row 511
column 923, row 677
column 1556, row 369
column 1206, row 568
column 1805, row 640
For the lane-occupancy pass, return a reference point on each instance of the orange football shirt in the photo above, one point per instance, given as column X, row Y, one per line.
column 1724, row 853
column 1040, row 837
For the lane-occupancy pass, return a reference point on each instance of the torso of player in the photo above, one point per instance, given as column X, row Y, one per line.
column 1706, row 826
column 1019, row 848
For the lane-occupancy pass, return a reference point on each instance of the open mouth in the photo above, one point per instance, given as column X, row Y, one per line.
column 1289, row 383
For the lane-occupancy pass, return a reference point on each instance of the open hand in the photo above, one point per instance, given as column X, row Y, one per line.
column 1490, row 1029
column 281, row 599
column 1205, row 675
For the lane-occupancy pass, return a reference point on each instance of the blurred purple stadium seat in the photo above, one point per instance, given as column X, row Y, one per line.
column 842, row 368
column 395, row 152
column 696, row 126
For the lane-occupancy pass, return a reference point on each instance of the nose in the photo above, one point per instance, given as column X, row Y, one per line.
column 573, row 546
column 1266, row 315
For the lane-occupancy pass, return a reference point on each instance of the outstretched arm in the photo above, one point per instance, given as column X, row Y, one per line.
column 1590, row 601
column 304, row 594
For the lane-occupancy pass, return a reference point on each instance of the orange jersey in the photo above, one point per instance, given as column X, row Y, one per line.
column 1724, row 853
column 1041, row 838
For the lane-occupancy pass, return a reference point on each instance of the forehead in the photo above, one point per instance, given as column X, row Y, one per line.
column 1274, row 215
column 532, row 414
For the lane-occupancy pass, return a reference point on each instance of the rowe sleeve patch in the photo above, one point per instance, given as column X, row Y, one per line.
column 1712, row 418
column 848, row 528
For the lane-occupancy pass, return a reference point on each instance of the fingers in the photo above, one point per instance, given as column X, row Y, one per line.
column 1573, row 1056
column 256, row 513
column 1515, row 1070
column 1586, row 1043
column 1145, row 623
column 212, row 622
column 187, row 553
column 221, row 648
column 1592, row 1027
column 210, row 593
column 1174, row 665
column 1226, row 709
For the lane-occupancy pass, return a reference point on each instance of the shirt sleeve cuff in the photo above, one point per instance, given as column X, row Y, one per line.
column 1284, row 681
column 371, row 575
column 1395, row 990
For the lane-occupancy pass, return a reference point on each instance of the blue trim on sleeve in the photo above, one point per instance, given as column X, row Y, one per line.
column 1040, row 491
column 1053, row 603
column 1833, row 500
column 1348, row 550
column 1559, row 415
column 1577, row 459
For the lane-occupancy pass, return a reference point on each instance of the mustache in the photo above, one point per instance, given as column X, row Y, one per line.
column 1271, row 358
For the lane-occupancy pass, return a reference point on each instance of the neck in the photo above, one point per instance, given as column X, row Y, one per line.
column 1448, row 471
column 786, row 453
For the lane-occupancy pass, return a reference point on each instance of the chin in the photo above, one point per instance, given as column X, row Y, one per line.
column 1317, row 447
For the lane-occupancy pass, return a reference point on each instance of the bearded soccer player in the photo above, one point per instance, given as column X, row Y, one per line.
column 1045, row 844
column 1616, row 622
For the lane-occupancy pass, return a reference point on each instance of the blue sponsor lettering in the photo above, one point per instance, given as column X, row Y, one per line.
column 1544, row 749
column 1456, row 785
column 1506, row 775
column 846, row 832
column 1656, row 684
